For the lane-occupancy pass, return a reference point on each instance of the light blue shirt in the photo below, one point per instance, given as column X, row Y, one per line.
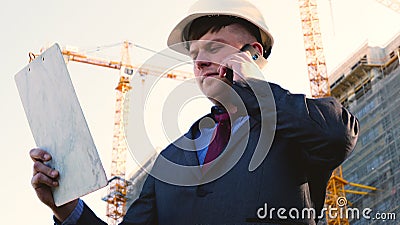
column 204, row 140
column 75, row 215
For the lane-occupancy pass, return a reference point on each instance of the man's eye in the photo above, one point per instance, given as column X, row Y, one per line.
column 193, row 56
column 214, row 49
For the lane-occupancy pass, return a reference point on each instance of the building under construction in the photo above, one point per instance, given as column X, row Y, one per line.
column 368, row 84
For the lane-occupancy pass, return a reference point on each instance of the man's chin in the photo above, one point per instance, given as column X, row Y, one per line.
column 216, row 82
column 215, row 95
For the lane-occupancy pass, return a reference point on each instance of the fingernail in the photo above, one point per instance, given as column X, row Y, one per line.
column 46, row 156
column 55, row 183
column 54, row 173
column 220, row 71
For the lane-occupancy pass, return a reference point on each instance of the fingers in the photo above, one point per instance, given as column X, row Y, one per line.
column 39, row 167
column 236, row 62
column 222, row 71
column 227, row 63
column 37, row 154
column 44, row 178
column 42, row 174
column 40, row 180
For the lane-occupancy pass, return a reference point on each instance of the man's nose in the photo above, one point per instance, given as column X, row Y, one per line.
column 200, row 64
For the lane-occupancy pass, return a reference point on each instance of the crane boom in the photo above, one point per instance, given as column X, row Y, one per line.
column 78, row 57
column 75, row 56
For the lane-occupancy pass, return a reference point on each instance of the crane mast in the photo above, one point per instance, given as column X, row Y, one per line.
column 316, row 64
column 116, row 198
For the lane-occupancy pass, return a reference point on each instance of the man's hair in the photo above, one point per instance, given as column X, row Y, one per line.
column 205, row 24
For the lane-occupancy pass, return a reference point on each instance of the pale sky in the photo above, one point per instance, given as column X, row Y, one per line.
column 29, row 25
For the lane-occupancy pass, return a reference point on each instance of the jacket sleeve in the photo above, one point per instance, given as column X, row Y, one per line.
column 143, row 210
column 324, row 130
column 89, row 217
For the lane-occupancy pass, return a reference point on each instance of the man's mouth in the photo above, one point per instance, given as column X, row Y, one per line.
column 205, row 75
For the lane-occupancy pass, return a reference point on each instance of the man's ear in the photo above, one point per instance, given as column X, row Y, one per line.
column 261, row 61
column 258, row 47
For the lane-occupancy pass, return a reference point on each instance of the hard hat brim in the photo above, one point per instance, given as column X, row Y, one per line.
column 179, row 35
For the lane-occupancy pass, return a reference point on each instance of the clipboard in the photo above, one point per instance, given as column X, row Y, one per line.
column 58, row 125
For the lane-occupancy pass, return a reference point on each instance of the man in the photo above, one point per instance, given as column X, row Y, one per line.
column 310, row 138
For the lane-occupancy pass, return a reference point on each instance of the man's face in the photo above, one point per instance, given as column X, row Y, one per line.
column 208, row 54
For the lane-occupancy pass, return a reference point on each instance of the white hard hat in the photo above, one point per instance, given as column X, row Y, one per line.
column 237, row 8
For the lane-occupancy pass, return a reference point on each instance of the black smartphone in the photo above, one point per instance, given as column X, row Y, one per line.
column 254, row 55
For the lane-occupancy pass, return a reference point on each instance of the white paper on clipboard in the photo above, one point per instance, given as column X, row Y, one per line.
column 58, row 125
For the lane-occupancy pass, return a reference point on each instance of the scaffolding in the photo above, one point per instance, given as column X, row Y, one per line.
column 368, row 84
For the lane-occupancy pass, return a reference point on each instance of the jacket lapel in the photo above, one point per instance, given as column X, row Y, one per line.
column 238, row 141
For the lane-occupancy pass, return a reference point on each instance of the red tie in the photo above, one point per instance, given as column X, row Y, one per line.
column 221, row 137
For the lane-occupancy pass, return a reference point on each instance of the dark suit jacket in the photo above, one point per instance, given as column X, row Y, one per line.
column 312, row 137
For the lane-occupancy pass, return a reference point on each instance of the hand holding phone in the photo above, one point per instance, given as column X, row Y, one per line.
column 254, row 55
